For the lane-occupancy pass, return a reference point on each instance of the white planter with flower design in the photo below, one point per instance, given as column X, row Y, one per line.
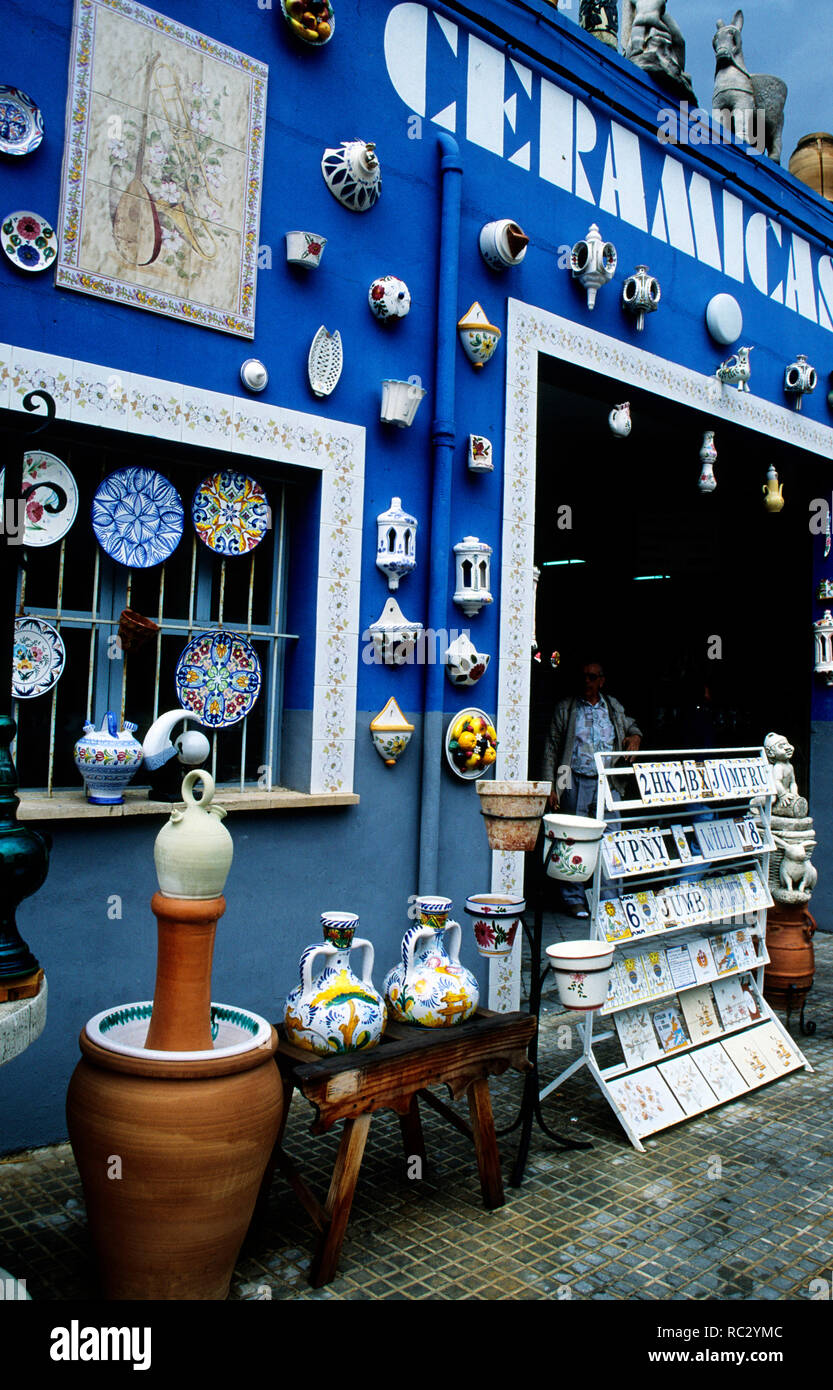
column 575, row 842
column 582, row 971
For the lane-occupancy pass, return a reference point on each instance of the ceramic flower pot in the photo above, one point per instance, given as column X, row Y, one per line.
column 305, row 249
column 352, row 174
column 464, row 664
column 430, row 987
column 576, row 841
column 135, row 630
column 478, row 337
column 582, row 972
column 193, row 851
column 337, row 1010
column 400, row 402
column 512, row 812
column 496, row 921
column 391, row 733
column 503, row 244
column 107, row 758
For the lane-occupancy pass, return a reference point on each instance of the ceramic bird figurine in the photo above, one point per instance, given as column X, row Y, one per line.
column 735, row 371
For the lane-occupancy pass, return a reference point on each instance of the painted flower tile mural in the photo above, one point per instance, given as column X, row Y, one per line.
column 163, row 168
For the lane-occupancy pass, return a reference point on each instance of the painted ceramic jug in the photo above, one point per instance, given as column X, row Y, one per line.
column 107, row 759
column 773, row 491
column 193, row 850
column 336, row 1011
column 431, row 987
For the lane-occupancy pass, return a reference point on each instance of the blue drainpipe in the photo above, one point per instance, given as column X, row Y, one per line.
column 442, row 442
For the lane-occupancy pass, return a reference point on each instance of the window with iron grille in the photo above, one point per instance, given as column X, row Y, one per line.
column 74, row 585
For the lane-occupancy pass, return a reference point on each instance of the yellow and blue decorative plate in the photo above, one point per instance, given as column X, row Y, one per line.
column 230, row 512
column 218, row 678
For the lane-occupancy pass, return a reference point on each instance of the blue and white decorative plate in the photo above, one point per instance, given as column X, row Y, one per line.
column 38, row 658
column 21, row 123
column 138, row 517
column 230, row 512
column 218, row 678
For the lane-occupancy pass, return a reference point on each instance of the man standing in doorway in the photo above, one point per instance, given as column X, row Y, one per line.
column 581, row 726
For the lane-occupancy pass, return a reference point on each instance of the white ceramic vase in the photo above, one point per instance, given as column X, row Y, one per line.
column 193, row 851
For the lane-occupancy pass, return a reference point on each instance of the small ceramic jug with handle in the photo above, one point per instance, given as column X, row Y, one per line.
column 430, row 986
column 336, row 1010
column 107, row 759
column 193, row 850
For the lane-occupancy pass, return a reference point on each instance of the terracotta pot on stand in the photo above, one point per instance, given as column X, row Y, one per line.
column 788, row 978
column 175, row 1106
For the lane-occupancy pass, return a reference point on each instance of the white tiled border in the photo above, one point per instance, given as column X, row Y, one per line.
column 97, row 395
column 531, row 331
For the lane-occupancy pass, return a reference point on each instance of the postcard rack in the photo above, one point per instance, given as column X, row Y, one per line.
column 681, row 891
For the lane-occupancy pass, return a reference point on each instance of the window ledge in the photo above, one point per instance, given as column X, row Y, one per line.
column 73, row 805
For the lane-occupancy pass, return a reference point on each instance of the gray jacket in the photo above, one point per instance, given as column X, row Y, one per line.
column 558, row 750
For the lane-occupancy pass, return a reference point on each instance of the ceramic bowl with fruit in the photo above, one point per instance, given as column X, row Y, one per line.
column 312, row 21
column 471, row 743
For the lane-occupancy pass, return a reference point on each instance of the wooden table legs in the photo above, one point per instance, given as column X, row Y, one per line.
column 339, row 1199
column 485, row 1144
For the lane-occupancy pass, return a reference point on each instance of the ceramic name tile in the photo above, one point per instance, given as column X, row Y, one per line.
column 155, row 407
column 207, row 418
column 5, row 374
column 40, row 371
column 100, row 396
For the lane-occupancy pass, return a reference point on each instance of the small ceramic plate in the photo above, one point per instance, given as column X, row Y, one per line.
column 138, row 517
column 21, row 123
column 469, row 774
column 38, row 658
column 322, row 13
column 218, row 677
column 230, row 513
column 28, row 240
column 51, row 498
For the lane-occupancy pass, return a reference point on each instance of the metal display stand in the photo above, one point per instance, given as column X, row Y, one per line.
column 745, row 801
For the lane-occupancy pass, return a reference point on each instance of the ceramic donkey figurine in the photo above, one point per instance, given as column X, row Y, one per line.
column 742, row 94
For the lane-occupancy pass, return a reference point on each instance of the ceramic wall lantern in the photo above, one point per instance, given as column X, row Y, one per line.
column 707, row 482
column 593, row 262
column 478, row 337
column 400, row 402
column 773, row 491
column 254, row 375
column 800, row 378
column 353, row 175
column 394, row 637
column 325, row 361
column 736, row 370
column 480, row 454
column 312, row 21
column 396, row 542
column 724, row 318
column 473, row 562
column 619, row 420
column 641, row 295
column 305, row 249
column 464, row 664
column 389, row 298
column 391, row 733
column 502, row 244
column 823, row 639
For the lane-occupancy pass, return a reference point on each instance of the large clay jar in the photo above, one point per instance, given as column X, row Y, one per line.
column 430, row 986
column 788, row 978
column 337, row 1011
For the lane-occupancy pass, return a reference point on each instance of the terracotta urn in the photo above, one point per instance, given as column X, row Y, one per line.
column 512, row 812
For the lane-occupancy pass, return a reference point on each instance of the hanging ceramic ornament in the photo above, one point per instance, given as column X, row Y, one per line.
column 305, row 249
column 592, row 262
column 326, row 359
column 312, row 21
column 708, row 458
column 473, row 568
column 641, row 295
column 21, row 123
column 393, row 636
column 38, row 658
column 352, row 174
column 619, row 420
column 464, row 664
column 800, row 379
column 28, row 240
column 254, row 375
column 480, row 454
column 396, row 542
column 389, row 298
column 49, row 495
column 400, row 402
column 773, row 491
column 724, row 318
column 391, row 732
column 503, row 244
column 478, row 337
column 736, row 370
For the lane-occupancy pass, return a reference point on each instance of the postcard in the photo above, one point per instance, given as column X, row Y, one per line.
column 778, row 1050
column 700, row 1014
column 731, row 1003
column 720, row 1072
column 702, row 959
column 679, row 966
column 750, row 1058
column 657, row 973
column 688, row 1084
column 637, row 1037
column 723, row 951
column 752, row 999
column 645, row 1101
column 635, row 986
column 670, row 1028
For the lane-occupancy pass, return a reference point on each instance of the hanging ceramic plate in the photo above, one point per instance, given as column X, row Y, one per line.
column 230, row 513
column 38, row 658
column 218, row 677
column 320, row 11
column 325, row 361
column 21, row 123
column 51, row 498
column 468, row 723
column 28, row 240
column 138, row 517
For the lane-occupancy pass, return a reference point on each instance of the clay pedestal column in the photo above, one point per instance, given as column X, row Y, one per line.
column 181, row 1019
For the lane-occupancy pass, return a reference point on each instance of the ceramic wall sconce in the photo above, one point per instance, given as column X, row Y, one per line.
column 724, row 318
column 312, row 21
column 400, row 402
column 393, row 636
column 619, row 420
column 391, row 733
column 707, row 482
column 478, row 336
column 396, row 542
column 254, row 375
column 502, row 244
column 480, row 454
column 325, row 361
column 389, row 298
column 736, row 370
column 473, row 563
column 800, row 378
column 353, row 175
column 773, row 491
column 592, row 263
column 305, row 249
column 823, row 639
column 641, row 295
column 464, row 664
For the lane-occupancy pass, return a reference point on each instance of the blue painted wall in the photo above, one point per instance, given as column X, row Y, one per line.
column 288, row 868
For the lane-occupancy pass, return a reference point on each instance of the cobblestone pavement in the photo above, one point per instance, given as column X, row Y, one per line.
column 734, row 1205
